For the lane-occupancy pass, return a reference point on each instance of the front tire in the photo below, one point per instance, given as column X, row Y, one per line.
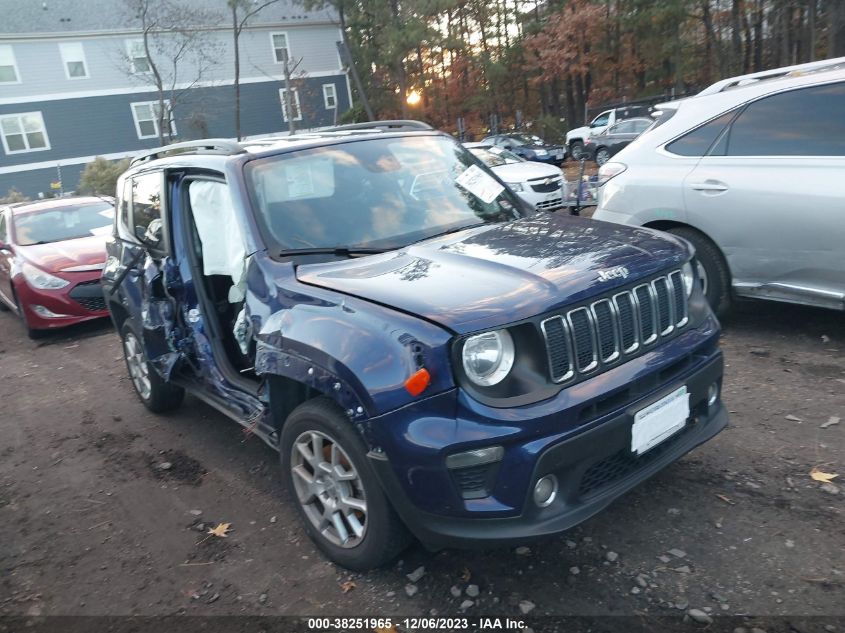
column 337, row 495
column 156, row 394
column 714, row 271
column 576, row 150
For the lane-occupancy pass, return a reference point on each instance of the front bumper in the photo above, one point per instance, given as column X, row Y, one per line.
column 592, row 460
column 81, row 300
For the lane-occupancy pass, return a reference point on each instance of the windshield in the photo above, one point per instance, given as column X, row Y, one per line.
column 373, row 194
column 495, row 156
column 64, row 223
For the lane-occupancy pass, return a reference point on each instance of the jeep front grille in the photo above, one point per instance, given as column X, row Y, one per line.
column 585, row 338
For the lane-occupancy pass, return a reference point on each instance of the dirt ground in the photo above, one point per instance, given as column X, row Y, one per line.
column 91, row 523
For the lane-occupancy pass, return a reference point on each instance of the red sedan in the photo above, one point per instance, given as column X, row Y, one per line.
column 51, row 256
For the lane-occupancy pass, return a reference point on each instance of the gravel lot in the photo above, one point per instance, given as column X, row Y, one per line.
column 91, row 524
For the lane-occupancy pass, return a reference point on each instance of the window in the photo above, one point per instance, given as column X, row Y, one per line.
column 23, row 132
column 297, row 111
column 329, row 96
column 601, row 119
column 803, row 122
column 625, row 127
column 73, row 58
column 138, row 60
column 641, row 126
column 8, row 67
column 146, row 115
column 125, row 199
column 3, row 238
column 280, row 47
column 699, row 140
column 146, row 205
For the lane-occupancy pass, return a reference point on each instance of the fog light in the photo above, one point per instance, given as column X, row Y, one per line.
column 45, row 313
column 475, row 457
column 712, row 394
column 545, row 490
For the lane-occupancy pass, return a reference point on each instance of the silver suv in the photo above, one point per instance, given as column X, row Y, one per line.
column 750, row 171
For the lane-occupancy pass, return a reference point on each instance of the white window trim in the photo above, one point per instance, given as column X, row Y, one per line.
column 65, row 61
column 20, row 116
column 296, row 103
column 273, row 46
column 14, row 65
column 152, row 104
column 132, row 69
column 326, row 96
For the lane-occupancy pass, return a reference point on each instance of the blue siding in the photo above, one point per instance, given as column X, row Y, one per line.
column 38, row 180
column 104, row 125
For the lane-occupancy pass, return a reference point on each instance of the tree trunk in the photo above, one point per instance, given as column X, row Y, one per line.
column 836, row 28
column 736, row 39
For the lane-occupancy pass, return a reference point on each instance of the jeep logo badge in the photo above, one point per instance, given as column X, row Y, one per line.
column 613, row 273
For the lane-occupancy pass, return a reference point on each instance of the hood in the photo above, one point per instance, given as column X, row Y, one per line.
column 497, row 274
column 85, row 253
column 578, row 132
column 520, row 172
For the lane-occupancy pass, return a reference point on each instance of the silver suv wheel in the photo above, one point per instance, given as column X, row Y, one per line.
column 137, row 364
column 329, row 488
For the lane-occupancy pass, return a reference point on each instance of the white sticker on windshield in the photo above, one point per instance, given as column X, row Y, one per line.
column 300, row 182
column 108, row 213
column 480, row 184
column 101, row 230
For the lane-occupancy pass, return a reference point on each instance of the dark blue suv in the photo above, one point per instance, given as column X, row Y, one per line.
column 428, row 356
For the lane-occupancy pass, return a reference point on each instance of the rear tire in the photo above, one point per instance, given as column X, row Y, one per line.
column 576, row 150
column 325, row 465
column 156, row 394
column 718, row 286
column 602, row 156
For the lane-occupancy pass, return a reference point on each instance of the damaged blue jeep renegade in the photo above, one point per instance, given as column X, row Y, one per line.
column 429, row 357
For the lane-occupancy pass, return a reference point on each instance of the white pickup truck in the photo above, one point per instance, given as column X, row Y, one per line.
column 575, row 138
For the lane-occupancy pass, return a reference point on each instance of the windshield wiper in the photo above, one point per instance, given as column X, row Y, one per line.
column 340, row 251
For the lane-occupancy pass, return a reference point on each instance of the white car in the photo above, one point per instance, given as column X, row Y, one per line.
column 750, row 171
column 540, row 185
column 577, row 138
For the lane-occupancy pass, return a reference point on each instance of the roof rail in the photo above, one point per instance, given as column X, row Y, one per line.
column 774, row 73
column 397, row 125
column 221, row 146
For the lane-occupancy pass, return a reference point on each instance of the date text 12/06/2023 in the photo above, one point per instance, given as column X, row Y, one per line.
column 414, row 624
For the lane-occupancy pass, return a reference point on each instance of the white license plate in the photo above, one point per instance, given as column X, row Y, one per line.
column 659, row 421
column 558, row 155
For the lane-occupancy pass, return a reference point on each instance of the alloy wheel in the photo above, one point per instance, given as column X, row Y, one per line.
column 329, row 488
column 138, row 369
column 602, row 156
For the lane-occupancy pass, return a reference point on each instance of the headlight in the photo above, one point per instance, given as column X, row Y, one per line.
column 610, row 170
column 488, row 358
column 688, row 273
column 540, row 152
column 515, row 186
column 37, row 278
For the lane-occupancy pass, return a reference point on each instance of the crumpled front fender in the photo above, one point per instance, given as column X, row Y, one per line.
column 356, row 352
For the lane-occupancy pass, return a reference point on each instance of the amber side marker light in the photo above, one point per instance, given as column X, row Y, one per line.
column 418, row 381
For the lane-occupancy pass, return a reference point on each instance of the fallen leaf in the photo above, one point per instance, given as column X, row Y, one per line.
column 347, row 586
column 820, row 475
column 222, row 530
column 466, row 575
column 726, row 499
column 831, row 421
